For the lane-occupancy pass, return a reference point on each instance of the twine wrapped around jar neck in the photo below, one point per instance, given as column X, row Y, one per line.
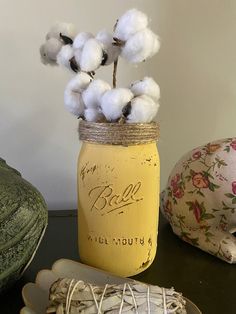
column 118, row 134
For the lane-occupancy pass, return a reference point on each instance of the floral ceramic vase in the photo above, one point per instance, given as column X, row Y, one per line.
column 200, row 198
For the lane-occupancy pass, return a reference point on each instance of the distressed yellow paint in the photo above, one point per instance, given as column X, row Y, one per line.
column 118, row 205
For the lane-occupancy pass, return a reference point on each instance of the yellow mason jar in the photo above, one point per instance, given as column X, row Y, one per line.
column 118, row 196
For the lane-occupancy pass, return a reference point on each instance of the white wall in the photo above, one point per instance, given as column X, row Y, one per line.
column 196, row 69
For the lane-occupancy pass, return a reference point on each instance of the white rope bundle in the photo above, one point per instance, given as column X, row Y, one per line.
column 71, row 296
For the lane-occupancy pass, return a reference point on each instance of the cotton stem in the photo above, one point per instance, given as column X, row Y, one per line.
column 114, row 73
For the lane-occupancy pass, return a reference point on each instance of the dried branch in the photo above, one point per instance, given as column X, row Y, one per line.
column 114, row 73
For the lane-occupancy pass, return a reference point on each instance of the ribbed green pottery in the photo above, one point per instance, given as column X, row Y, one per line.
column 23, row 219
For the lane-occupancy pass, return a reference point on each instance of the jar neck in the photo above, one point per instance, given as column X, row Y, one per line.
column 118, row 134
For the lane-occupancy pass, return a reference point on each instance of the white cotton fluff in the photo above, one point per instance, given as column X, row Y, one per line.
column 81, row 39
column 146, row 86
column 72, row 96
column 92, row 95
column 143, row 110
column 93, row 115
column 141, row 46
column 104, row 37
column 49, row 51
column 155, row 47
column 65, row 55
column 113, row 101
column 66, row 29
column 73, row 102
column 77, row 55
column 79, row 82
column 112, row 51
column 91, row 56
column 129, row 23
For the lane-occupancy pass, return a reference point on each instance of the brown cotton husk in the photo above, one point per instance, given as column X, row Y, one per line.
column 70, row 296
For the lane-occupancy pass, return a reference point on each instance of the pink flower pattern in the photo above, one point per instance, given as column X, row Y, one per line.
column 233, row 144
column 177, row 187
column 200, row 180
column 197, row 154
column 178, row 192
column 197, row 211
column 234, row 187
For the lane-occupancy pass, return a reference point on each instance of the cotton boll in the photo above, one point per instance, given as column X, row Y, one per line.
column 104, row 37
column 64, row 56
column 66, row 29
column 49, row 51
column 129, row 23
column 79, row 82
column 143, row 110
column 81, row 39
column 112, row 51
column 113, row 101
column 93, row 115
column 91, row 56
column 92, row 95
column 72, row 96
column 155, row 47
column 73, row 102
column 77, row 55
column 141, row 46
column 147, row 87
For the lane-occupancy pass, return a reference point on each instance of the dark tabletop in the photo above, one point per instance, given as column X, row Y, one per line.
column 209, row 282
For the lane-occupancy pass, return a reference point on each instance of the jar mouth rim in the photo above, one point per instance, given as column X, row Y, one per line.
column 118, row 133
column 117, row 124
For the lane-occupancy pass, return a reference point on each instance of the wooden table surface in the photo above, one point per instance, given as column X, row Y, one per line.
column 204, row 279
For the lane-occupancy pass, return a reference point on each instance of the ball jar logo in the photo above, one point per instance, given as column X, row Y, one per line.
column 106, row 200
